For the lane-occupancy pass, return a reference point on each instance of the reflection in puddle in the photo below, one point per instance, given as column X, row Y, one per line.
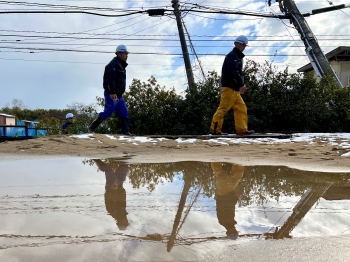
column 168, row 211
column 115, row 195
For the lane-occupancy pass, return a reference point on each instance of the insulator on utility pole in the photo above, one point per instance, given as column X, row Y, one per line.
column 189, row 72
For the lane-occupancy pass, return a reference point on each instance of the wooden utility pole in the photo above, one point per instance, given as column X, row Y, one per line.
column 317, row 58
column 189, row 72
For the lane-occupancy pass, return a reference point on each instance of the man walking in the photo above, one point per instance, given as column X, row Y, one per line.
column 114, row 84
column 233, row 86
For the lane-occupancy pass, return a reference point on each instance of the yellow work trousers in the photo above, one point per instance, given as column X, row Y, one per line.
column 227, row 182
column 230, row 99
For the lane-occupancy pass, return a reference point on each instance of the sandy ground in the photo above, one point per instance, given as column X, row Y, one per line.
column 318, row 153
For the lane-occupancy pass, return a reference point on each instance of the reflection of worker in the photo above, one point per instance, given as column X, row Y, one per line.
column 115, row 195
column 226, row 195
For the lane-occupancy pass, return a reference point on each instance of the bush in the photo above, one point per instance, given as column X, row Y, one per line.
column 277, row 101
column 52, row 124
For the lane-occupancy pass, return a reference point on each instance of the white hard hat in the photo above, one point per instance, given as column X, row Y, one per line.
column 69, row 115
column 121, row 48
column 242, row 40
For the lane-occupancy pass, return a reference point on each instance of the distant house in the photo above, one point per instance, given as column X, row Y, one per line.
column 27, row 123
column 339, row 59
column 8, row 120
column 10, row 129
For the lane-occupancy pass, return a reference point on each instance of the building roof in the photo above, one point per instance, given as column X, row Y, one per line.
column 11, row 116
column 330, row 56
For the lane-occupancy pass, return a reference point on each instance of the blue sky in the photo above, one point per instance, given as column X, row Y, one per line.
column 55, row 79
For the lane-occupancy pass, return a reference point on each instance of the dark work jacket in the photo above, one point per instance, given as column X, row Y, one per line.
column 114, row 77
column 231, row 73
column 65, row 127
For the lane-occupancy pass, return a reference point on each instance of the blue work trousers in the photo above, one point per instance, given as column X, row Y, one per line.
column 118, row 106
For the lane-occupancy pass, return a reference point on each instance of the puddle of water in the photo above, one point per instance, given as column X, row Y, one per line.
column 84, row 210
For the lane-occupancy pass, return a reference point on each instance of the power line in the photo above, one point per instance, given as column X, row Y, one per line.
column 67, row 7
column 162, row 1
column 155, row 35
column 200, row 9
column 138, row 53
column 145, row 45
column 161, row 39
column 155, row 39
column 91, row 63
column 122, row 37
column 213, row 10
column 75, row 9
column 69, row 12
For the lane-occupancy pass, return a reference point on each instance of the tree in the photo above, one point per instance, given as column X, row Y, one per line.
column 152, row 109
column 200, row 105
column 52, row 124
column 277, row 101
column 18, row 103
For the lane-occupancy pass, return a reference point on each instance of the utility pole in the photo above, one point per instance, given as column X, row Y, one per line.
column 317, row 58
column 189, row 72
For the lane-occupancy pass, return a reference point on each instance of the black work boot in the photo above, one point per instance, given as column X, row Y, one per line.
column 214, row 132
column 246, row 133
column 125, row 126
column 95, row 124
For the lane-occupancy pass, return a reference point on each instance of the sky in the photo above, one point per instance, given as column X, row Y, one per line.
column 35, row 69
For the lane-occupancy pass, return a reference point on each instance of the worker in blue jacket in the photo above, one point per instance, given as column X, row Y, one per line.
column 233, row 86
column 114, row 84
column 70, row 119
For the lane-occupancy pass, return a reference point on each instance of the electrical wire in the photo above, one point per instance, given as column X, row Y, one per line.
column 187, row 8
column 69, row 7
column 164, row 39
column 103, row 41
column 167, row 35
column 294, row 40
column 152, row 45
column 139, row 53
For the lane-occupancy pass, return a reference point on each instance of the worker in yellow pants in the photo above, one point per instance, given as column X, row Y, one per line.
column 230, row 99
column 233, row 86
column 226, row 195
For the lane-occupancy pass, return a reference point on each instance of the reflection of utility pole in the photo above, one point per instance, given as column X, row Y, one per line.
column 299, row 211
column 189, row 72
column 182, row 203
column 317, row 58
